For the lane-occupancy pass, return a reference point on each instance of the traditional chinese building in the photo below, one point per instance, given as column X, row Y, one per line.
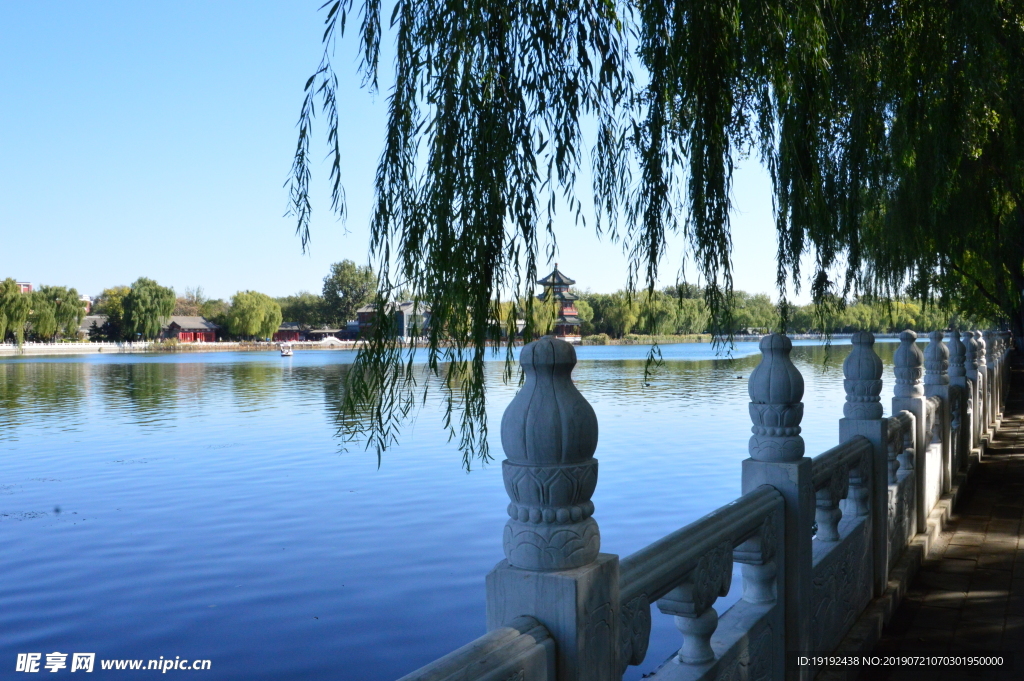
column 190, row 329
column 567, row 324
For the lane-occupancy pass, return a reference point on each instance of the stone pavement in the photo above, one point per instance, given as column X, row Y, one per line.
column 968, row 596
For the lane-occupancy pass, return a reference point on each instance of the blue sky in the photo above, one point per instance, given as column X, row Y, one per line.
column 154, row 139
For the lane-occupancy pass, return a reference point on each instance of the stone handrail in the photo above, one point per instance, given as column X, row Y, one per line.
column 560, row 610
column 834, row 475
column 900, row 440
column 661, row 566
column 840, row 458
column 687, row 570
column 522, row 650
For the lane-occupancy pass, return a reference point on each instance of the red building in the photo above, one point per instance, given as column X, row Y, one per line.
column 190, row 330
column 556, row 285
column 290, row 332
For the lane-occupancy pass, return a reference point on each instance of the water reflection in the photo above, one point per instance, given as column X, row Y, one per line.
column 29, row 391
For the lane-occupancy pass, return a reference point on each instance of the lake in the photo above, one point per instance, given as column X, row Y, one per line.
column 204, row 506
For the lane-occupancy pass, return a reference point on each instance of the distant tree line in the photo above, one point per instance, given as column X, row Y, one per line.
column 140, row 311
column 681, row 309
column 42, row 315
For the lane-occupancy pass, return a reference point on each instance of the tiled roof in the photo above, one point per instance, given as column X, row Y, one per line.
column 556, row 278
column 191, row 323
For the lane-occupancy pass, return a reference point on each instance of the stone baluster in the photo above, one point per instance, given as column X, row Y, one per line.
column 992, row 380
column 959, row 425
column 553, row 569
column 981, row 406
column 909, row 396
column 777, row 458
column 691, row 604
column 936, row 384
column 1004, row 350
column 757, row 555
column 862, row 415
column 973, row 376
column 997, row 379
column 827, row 513
column 908, row 450
column 894, row 448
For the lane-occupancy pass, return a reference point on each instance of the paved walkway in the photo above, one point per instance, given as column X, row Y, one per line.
column 968, row 598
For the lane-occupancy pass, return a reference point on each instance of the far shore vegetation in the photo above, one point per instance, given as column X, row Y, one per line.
column 675, row 314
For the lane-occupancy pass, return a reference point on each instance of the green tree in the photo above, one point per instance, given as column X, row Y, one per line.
column 691, row 315
column 147, row 307
column 111, row 304
column 253, row 315
column 43, row 317
column 347, row 288
column 303, row 308
column 216, row 311
column 56, row 310
column 621, row 314
column 15, row 307
column 585, row 312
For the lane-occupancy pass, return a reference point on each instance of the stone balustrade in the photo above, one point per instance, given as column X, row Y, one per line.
column 816, row 538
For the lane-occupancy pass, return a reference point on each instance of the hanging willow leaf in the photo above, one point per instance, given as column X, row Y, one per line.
column 891, row 130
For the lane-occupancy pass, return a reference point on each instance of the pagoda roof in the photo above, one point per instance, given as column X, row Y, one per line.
column 571, row 320
column 556, row 278
column 559, row 295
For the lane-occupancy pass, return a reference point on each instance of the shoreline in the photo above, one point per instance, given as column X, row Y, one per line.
column 90, row 348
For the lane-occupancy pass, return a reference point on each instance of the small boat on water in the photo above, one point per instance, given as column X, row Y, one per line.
column 286, row 349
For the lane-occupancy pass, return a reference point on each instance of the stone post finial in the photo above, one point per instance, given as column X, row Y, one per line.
column 549, row 434
column 982, row 347
column 776, row 388
column 1004, row 340
column 908, row 361
column 862, row 370
column 957, row 356
column 936, row 360
column 971, row 354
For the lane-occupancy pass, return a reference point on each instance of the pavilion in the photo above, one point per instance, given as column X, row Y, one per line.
column 567, row 324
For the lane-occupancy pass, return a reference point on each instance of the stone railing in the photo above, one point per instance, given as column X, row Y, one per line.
column 816, row 537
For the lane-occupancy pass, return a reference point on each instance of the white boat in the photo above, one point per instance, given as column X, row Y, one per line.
column 286, row 349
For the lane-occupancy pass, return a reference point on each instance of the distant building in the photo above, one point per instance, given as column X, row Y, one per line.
column 25, row 286
column 87, row 324
column 556, row 285
column 411, row 319
column 88, row 303
column 190, row 329
column 290, row 332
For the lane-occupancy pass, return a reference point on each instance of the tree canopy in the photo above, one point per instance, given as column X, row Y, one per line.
column 56, row 310
column 145, row 308
column 346, row 288
column 253, row 315
column 891, row 130
column 14, row 310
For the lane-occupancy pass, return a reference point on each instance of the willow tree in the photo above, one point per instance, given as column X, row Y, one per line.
column 15, row 308
column 145, row 308
column 254, row 315
column 890, row 130
column 56, row 310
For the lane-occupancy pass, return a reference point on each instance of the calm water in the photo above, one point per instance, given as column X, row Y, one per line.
column 202, row 505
